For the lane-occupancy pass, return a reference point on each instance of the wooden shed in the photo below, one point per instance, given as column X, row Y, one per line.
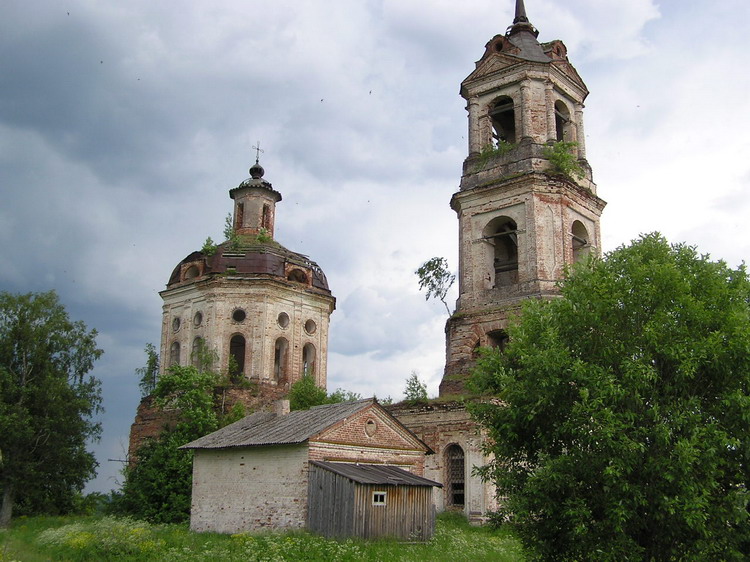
column 369, row 501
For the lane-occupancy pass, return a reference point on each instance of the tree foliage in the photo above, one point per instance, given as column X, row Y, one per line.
column 158, row 485
column 149, row 372
column 47, row 404
column 620, row 429
column 435, row 276
column 415, row 391
column 305, row 393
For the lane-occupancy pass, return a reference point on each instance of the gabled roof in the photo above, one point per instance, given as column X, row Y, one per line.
column 263, row 428
column 378, row 474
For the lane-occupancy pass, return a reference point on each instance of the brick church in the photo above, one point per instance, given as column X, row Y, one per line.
column 265, row 309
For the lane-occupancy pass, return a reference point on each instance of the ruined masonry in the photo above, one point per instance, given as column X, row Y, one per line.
column 521, row 222
column 522, row 219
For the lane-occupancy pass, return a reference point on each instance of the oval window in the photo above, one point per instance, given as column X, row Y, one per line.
column 310, row 327
column 198, row 319
column 239, row 315
column 370, row 428
column 175, row 324
column 283, row 319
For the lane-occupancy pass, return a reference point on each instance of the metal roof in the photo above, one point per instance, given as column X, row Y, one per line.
column 263, row 428
column 378, row 474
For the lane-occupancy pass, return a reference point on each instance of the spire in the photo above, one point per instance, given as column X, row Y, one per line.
column 521, row 21
column 520, row 13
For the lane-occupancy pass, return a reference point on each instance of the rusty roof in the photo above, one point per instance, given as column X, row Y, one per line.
column 378, row 474
column 263, row 428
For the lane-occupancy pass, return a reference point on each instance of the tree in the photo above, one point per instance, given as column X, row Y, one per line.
column 47, row 402
column 416, row 390
column 149, row 372
column 158, row 484
column 437, row 278
column 619, row 424
column 305, row 393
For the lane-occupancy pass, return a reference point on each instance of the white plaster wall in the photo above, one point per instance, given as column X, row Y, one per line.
column 249, row 488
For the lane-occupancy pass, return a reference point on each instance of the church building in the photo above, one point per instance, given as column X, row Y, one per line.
column 262, row 309
column 522, row 219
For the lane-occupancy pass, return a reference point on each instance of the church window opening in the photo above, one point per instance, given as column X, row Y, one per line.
column 240, row 217
column 297, row 275
column 236, row 357
column 265, row 220
column 174, row 354
column 370, row 428
column 308, row 359
column 239, row 315
column 502, row 234
column 310, row 327
column 176, row 322
column 192, row 272
column 283, row 319
column 503, row 117
column 198, row 319
column 196, row 354
column 280, row 359
column 456, row 476
column 562, row 122
column 498, row 339
column 580, row 238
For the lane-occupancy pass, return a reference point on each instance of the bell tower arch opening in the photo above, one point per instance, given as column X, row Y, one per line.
column 563, row 124
column 580, row 237
column 502, row 235
column 503, row 118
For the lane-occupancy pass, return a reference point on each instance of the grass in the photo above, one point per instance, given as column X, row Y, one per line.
column 39, row 539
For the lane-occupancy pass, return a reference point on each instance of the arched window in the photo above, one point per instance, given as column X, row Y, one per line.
column 498, row 339
column 562, row 122
column 240, row 218
column 308, row 360
column 502, row 233
column 236, row 357
column 174, row 354
column 297, row 275
column 455, row 476
column 265, row 220
column 280, row 360
column 503, row 118
column 192, row 272
column 581, row 245
column 196, row 354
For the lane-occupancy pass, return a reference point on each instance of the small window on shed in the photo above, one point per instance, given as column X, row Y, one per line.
column 378, row 498
column 503, row 118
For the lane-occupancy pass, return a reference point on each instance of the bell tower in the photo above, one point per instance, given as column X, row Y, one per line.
column 527, row 204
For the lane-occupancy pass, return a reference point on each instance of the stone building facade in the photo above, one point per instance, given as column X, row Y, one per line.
column 262, row 310
column 521, row 222
column 253, row 474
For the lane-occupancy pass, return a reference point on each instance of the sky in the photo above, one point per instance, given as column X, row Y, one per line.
column 123, row 125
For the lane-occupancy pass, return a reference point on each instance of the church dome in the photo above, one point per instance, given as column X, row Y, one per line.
column 248, row 260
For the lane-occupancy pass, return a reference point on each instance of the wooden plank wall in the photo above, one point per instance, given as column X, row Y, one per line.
column 338, row 507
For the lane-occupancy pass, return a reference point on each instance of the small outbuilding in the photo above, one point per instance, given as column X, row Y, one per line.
column 369, row 501
column 254, row 474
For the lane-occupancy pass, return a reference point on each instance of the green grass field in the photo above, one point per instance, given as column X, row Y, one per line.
column 39, row 539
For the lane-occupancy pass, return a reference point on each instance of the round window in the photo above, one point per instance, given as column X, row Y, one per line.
column 310, row 327
column 239, row 315
column 175, row 324
column 370, row 428
column 198, row 319
column 283, row 319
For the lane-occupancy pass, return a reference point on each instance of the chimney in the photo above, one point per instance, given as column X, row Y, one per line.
column 281, row 407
